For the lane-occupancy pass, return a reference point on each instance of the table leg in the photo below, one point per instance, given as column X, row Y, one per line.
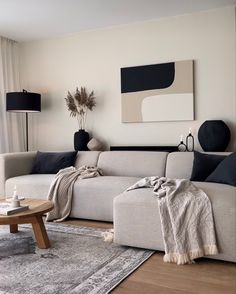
column 14, row 228
column 40, row 233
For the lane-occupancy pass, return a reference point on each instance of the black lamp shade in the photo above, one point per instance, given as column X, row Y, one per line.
column 23, row 102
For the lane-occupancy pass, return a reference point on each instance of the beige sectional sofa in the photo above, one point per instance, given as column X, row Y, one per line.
column 135, row 213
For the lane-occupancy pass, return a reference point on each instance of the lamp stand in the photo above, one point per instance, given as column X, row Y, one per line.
column 26, row 131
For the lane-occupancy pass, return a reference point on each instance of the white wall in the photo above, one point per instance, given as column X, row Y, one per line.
column 94, row 58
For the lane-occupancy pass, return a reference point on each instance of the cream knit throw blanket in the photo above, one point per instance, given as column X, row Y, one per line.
column 186, row 218
column 61, row 190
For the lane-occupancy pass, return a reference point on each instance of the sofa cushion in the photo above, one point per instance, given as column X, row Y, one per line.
column 179, row 164
column 225, row 172
column 204, row 165
column 223, row 200
column 89, row 158
column 52, row 162
column 30, row 186
column 137, row 220
column 132, row 163
column 93, row 197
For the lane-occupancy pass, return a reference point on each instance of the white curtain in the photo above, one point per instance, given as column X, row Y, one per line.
column 11, row 124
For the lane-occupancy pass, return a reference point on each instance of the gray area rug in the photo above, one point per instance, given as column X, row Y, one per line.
column 13, row 244
column 79, row 261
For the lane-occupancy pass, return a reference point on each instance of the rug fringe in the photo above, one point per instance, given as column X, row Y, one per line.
column 191, row 255
column 108, row 236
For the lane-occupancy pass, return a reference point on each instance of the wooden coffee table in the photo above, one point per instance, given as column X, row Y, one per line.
column 33, row 216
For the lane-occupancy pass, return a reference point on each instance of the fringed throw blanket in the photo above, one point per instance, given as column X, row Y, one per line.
column 61, row 190
column 186, row 218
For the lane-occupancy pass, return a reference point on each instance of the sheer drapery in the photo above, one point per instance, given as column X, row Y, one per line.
column 11, row 124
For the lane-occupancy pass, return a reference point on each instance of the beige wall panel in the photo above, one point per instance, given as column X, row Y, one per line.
column 94, row 58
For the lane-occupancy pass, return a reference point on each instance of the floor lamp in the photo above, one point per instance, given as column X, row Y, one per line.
column 23, row 102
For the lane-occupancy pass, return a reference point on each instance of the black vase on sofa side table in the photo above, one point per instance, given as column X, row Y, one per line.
column 81, row 139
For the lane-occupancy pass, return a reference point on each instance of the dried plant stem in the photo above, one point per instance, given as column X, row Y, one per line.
column 85, row 117
column 79, row 121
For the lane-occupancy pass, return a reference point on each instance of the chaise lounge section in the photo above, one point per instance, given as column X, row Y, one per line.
column 141, row 207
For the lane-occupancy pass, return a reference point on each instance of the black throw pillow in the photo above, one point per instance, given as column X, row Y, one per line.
column 52, row 162
column 225, row 173
column 204, row 165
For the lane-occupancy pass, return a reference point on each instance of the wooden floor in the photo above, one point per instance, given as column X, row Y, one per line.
column 206, row 276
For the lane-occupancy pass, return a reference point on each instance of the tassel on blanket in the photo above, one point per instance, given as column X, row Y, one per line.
column 189, row 257
column 108, row 236
column 178, row 258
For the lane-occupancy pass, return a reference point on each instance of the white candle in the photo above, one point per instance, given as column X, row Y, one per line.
column 15, row 196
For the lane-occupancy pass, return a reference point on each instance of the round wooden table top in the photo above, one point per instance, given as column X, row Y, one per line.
column 36, row 207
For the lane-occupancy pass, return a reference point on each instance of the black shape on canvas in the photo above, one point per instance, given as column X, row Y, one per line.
column 147, row 77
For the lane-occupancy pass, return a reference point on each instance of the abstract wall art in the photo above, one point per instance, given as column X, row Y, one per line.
column 157, row 92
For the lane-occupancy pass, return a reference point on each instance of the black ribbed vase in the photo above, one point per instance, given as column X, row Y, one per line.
column 81, row 139
column 214, row 135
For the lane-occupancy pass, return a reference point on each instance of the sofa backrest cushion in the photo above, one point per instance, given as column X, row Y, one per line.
column 179, row 164
column 52, row 162
column 204, row 164
column 89, row 158
column 225, row 172
column 132, row 163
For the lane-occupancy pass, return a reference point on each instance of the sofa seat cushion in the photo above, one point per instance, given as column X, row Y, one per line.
column 221, row 195
column 30, row 186
column 93, row 197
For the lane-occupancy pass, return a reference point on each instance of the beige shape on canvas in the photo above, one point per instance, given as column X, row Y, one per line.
column 170, row 107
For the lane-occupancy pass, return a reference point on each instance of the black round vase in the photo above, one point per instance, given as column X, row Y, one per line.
column 81, row 139
column 214, row 135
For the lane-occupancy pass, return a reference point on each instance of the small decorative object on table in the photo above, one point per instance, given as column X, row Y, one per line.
column 190, row 141
column 182, row 147
column 14, row 205
column 95, row 145
column 78, row 105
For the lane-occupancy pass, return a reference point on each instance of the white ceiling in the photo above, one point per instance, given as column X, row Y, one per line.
column 25, row 20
